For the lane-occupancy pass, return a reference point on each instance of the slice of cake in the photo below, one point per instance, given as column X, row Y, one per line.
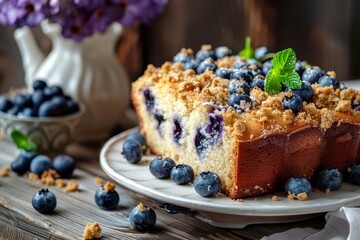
column 210, row 111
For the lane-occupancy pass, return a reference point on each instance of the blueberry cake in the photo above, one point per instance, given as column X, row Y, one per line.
column 211, row 110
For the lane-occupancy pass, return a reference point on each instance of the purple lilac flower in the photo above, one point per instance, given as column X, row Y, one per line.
column 103, row 17
column 76, row 28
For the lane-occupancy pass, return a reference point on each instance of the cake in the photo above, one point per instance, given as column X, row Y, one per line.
column 185, row 113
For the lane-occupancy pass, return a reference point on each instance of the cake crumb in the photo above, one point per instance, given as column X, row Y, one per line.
column 72, row 186
column 91, row 231
column 275, row 198
column 32, row 177
column 141, row 207
column 48, row 177
column 60, row 183
column 4, row 172
column 109, row 187
column 99, row 180
column 301, row 196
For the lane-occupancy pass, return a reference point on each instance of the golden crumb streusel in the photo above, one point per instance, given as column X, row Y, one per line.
column 301, row 196
column 72, row 186
column 99, row 180
column 4, row 172
column 92, row 231
column 32, row 177
column 48, row 177
column 109, row 187
column 60, row 183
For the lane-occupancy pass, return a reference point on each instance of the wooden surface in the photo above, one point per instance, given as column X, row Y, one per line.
column 18, row 219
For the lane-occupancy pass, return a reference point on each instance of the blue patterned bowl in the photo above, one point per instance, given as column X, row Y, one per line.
column 49, row 133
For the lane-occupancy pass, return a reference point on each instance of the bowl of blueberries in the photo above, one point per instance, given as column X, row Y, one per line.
column 47, row 116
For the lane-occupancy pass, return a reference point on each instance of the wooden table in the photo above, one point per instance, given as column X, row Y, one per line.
column 19, row 220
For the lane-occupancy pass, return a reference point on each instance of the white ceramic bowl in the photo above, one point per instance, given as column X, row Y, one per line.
column 49, row 133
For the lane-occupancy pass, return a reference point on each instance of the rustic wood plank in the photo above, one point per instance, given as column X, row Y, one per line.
column 76, row 209
column 10, row 233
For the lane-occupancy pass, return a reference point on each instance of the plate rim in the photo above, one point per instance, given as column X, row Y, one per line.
column 209, row 205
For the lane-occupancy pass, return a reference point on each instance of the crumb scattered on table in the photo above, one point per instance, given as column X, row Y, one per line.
column 32, row 176
column 72, row 186
column 91, row 231
column 275, row 198
column 4, row 172
column 327, row 191
column 109, row 187
column 301, row 196
column 99, row 180
column 60, row 183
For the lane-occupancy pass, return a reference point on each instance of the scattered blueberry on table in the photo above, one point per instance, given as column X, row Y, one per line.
column 329, row 179
column 161, row 168
column 132, row 151
column 44, row 201
column 182, row 174
column 297, row 185
column 64, row 165
column 40, row 164
column 106, row 197
column 207, row 184
column 142, row 218
column 139, row 138
column 354, row 174
column 21, row 164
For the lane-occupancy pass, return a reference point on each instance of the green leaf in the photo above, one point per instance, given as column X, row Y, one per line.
column 22, row 142
column 247, row 52
column 284, row 61
column 272, row 82
column 291, row 80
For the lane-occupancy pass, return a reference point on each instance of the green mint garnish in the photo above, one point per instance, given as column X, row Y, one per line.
column 247, row 52
column 22, row 142
column 282, row 72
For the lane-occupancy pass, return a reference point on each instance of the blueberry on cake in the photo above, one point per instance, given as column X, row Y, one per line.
column 254, row 121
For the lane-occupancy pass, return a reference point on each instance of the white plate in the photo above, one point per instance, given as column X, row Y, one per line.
column 219, row 211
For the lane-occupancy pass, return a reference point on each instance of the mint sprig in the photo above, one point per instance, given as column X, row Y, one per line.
column 282, row 72
column 247, row 52
column 22, row 142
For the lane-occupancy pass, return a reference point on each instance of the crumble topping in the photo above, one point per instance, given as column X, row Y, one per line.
column 91, row 231
column 301, row 196
column 99, row 180
column 327, row 118
column 4, row 172
column 60, row 183
column 48, row 177
column 109, row 187
column 32, row 177
column 288, row 116
column 72, row 186
column 275, row 198
column 141, row 207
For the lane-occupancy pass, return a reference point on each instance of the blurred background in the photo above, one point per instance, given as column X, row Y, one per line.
column 323, row 32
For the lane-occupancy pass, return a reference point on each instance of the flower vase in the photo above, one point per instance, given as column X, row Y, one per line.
column 87, row 71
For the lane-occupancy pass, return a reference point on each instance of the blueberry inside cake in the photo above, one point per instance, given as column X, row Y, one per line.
column 254, row 121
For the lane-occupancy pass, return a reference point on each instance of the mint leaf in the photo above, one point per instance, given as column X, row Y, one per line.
column 291, row 80
column 272, row 82
column 22, row 142
column 284, row 61
column 247, row 52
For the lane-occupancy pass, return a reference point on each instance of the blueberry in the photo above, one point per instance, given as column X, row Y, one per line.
column 40, row 164
column 221, row 52
column 177, row 130
column 297, row 185
column 72, row 107
column 256, row 72
column 37, row 98
column 266, row 66
column 39, row 85
column 182, row 174
column 240, row 102
column 44, row 201
column 53, row 91
column 22, row 100
column 106, row 200
column 149, row 99
column 201, row 143
column 239, row 64
column 191, row 64
column 237, row 84
column 261, row 52
column 329, row 178
column 142, row 218
column 299, row 68
column 161, row 168
column 258, row 81
column 182, row 57
column 159, row 117
column 294, row 103
column 203, row 54
column 139, row 138
column 223, row 73
column 312, row 75
column 305, row 92
column 27, row 112
column 206, row 65
column 252, row 61
column 21, row 164
column 243, row 73
column 356, row 107
column 14, row 110
column 132, row 151
column 49, row 109
column 354, row 174
column 343, row 86
column 326, row 80
column 5, row 104
column 64, row 165
column 207, row 184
